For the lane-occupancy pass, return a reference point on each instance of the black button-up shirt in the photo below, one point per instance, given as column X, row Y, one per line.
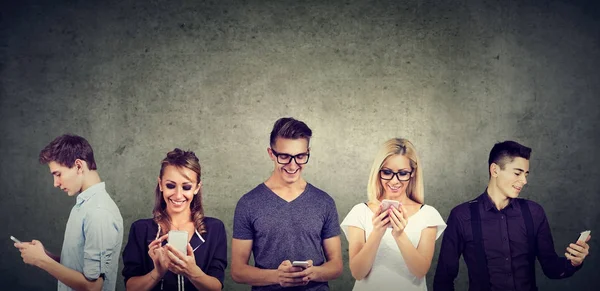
column 505, row 243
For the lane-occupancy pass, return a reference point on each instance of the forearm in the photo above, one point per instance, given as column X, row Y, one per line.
column 558, row 268
column 447, row 267
column 250, row 275
column 330, row 270
column 362, row 262
column 202, row 281
column 74, row 279
column 417, row 264
column 145, row 282
column 53, row 256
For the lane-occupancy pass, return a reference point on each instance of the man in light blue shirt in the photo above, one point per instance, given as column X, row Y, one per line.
column 90, row 254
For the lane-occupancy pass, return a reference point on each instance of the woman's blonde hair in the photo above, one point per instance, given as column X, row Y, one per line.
column 397, row 146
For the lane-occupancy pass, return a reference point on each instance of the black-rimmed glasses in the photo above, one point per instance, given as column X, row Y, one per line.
column 285, row 159
column 388, row 174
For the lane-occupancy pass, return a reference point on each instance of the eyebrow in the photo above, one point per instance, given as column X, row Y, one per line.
column 403, row 169
column 186, row 182
column 521, row 170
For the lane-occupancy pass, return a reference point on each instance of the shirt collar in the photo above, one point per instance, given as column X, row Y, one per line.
column 488, row 204
column 198, row 241
column 89, row 193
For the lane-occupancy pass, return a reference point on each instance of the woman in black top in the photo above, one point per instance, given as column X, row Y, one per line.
column 150, row 263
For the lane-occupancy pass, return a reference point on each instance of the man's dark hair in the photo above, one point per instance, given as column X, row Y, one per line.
column 505, row 152
column 290, row 128
column 67, row 148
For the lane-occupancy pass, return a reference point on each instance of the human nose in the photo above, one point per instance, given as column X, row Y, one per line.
column 56, row 181
column 524, row 179
column 178, row 191
column 294, row 162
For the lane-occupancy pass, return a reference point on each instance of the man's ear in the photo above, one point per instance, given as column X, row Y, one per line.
column 271, row 155
column 79, row 165
column 494, row 170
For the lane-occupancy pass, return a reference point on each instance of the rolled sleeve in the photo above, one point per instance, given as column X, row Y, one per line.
column 102, row 237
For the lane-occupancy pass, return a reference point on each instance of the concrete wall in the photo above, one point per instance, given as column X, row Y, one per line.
column 138, row 78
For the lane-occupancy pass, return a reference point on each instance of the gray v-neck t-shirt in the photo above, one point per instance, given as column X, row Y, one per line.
column 282, row 230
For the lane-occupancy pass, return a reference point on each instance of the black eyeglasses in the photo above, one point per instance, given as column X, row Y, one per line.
column 388, row 174
column 285, row 159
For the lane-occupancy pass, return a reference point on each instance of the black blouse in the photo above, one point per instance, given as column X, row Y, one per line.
column 210, row 252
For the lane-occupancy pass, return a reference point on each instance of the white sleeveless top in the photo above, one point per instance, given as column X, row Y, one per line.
column 389, row 271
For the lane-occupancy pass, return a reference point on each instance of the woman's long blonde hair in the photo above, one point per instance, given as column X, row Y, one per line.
column 397, row 146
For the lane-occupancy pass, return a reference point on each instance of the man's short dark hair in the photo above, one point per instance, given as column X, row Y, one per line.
column 67, row 148
column 505, row 152
column 290, row 128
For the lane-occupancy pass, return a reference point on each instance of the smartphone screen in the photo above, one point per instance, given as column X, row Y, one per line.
column 179, row 240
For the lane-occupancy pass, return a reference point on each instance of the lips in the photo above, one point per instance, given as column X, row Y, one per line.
column 394, row 188
column 291, row 173
column 177, row 202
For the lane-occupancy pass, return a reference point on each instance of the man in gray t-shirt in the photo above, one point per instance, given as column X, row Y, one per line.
column 286, row 219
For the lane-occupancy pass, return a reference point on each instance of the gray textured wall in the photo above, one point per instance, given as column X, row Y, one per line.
column 138, row 78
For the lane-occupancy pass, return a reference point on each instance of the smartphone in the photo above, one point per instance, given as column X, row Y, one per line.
column 584, row 235
column 179, row 240
column 387, row 204
column 301, row 264
column 15, row 239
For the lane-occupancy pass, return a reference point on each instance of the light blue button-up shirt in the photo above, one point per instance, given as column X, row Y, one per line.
column 93, row 237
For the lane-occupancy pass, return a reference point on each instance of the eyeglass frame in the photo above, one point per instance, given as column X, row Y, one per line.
column 396, row 174
column 292, row 157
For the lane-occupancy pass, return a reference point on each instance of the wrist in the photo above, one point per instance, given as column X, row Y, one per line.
column 317, row 274
column 274, row 276
column 400, row 237
column 195, row 272
column 156, row 274
column 43, row 262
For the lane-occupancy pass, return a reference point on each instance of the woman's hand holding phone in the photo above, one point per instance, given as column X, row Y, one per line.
column 158, row 255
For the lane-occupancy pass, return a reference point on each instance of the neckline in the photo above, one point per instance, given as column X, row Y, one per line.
column 308, row 185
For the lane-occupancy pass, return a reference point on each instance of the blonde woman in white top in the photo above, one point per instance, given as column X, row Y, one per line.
column 392, row 249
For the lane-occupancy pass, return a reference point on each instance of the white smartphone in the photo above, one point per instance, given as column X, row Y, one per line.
column 15, row 239
column 584, row 235
column 179, row 240
column 387, row 204
column 301, row 264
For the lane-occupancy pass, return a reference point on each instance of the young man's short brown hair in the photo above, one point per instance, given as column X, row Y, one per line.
column 67, row 148
column 290, row 128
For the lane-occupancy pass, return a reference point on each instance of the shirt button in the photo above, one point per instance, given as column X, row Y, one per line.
column 506, row 258
column 502, row 217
